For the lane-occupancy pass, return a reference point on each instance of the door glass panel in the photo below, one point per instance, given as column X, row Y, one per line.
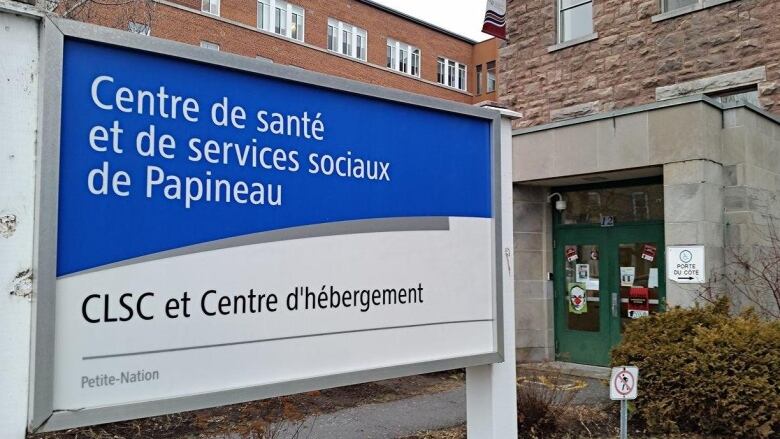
column 639, row 280
column 625, row 204
column 582, row 287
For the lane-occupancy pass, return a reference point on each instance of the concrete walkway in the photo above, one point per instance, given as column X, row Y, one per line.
column 396, row 419
column 383, row 421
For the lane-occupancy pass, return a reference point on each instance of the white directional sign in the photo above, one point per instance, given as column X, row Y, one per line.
column 623, row 384
column 685, row 264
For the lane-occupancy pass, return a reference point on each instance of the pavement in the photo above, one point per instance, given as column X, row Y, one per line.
column 435, row 411
column 383, row 421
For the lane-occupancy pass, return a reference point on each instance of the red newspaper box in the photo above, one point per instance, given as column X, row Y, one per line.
column 638, row 302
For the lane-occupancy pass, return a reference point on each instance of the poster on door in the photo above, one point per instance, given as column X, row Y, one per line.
column 578, row 300
column 638, row 302
column 627, row 276
column 583, row 273
column 648, row 252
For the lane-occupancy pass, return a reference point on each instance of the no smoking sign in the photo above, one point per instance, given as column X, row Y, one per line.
column 623, row 384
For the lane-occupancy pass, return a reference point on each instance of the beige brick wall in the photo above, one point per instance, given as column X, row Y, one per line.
column 633, row 55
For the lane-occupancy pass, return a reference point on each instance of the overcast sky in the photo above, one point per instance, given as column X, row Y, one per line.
column 463, row 17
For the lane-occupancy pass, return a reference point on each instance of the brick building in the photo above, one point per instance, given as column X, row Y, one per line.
column 647, row 124
column 355, row 39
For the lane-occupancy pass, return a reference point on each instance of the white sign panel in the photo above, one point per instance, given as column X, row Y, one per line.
column 623, row 383
column 685, row 264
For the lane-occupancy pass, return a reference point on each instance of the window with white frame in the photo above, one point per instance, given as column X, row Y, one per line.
column 210, row 6
column 138, row 28
column 403, row 57
column 333, row 36
column 671, row 5
column 575, row 19
column 347, row 39
column 478, row 78
column 282, row 18
column 452, row 73
column 360, row 45
column 491, row 76
column 209, row 45
column 416, row 62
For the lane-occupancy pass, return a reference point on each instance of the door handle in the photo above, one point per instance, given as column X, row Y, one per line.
column 614, row 305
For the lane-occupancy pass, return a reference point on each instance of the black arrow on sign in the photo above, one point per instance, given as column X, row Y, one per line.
column 685, row 278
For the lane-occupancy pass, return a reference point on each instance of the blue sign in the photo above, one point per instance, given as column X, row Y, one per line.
column 159, row 153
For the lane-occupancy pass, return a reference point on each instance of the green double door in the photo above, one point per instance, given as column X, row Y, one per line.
column 604, row 277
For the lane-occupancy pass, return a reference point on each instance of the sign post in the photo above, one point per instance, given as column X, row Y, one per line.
column 623, row 387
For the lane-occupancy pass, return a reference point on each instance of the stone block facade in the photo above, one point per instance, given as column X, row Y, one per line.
column 638, row 56
column 533, row 292
column 751, row 151
column 720, row 168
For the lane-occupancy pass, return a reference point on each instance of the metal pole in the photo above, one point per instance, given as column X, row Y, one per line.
column 623, row 419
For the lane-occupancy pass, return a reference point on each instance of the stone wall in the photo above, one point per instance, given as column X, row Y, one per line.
column 751, row 156
column 533, row 293
column 633, row 55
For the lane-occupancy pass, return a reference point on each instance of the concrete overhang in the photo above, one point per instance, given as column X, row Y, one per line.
column 628, row 143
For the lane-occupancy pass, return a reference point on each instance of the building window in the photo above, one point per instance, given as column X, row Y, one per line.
column 390, row 55
column 360, row 46
column 280, row 20
column 296, row 23
column 287, row 19
column 479, row 79
column 575, row 19
column 208, row 45
column 210, row 6
column 403, row 57
column 347, row 39
column 671, row 5
column 332, row 37
column 264, row 15
column 138, row 28
column 452, row 73
column 491, row 76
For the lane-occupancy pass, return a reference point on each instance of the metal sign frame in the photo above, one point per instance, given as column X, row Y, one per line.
column 43, row 416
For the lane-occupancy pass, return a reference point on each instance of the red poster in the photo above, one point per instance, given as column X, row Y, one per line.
column 648, row 252
column 638, row 302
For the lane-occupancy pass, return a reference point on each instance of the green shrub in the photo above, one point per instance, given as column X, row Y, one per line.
column 703, row 370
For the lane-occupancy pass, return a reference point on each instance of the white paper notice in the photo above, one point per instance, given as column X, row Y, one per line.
column 583, row 272
column 627, row 275
column 652, row 279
